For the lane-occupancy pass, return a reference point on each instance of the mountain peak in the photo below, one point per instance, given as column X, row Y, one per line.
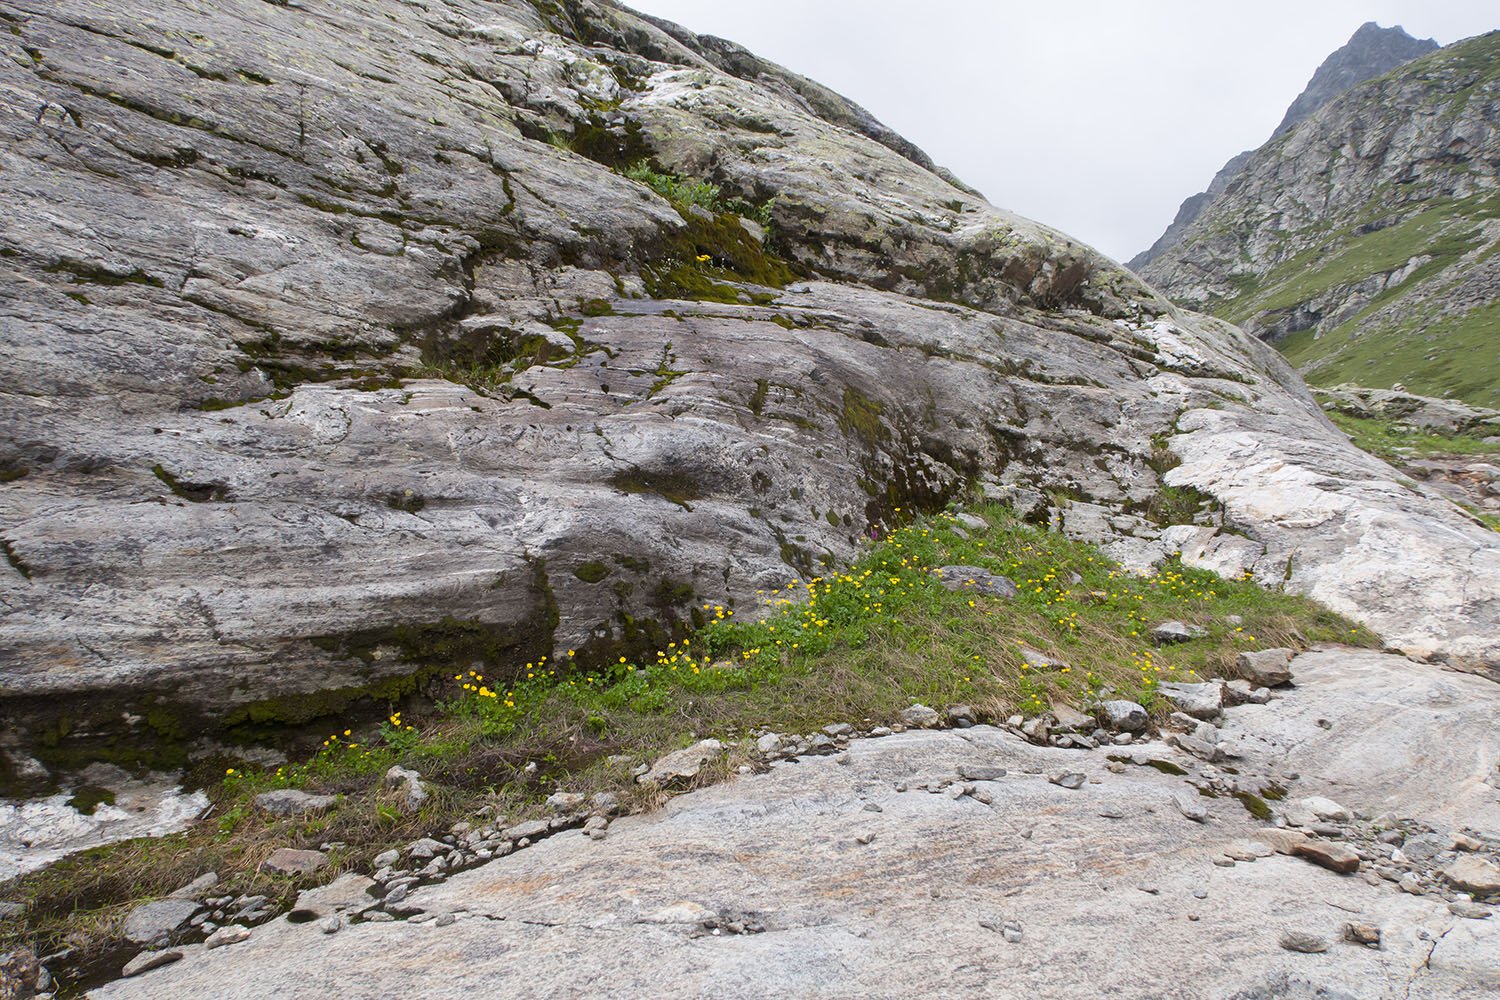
column 1370, row 52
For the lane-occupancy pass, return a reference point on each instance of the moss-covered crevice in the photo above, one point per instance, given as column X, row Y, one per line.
column 678, row 487
column 191, row 491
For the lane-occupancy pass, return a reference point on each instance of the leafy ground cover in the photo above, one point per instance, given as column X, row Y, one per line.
column 856, row 645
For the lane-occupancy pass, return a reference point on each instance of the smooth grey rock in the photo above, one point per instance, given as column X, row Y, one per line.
column 976, row 579
column 980, row 772
column 231, row 934
column 1125, row 715
column 1168, row 633
column 1190, row 804
column 386, row 859
column 197, row 886
column 1201, row 701
column 1068, row 779
column 1303, row 941
column 278, row 256
column 911, row 932
column 148, row 960
column 1266, row 667
column 294, row 802
column 349, row 893
column 1473, row 874
column 565, row 802
column 682, row 765
column 920, row 717
column 1470, row 911
column 288, row 861
column 158, row 920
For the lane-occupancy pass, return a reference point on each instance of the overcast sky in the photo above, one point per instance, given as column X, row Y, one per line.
column 1097, row 118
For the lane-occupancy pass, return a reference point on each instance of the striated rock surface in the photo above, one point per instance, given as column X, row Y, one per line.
column 1362, row 240
column 339, row 350
column 787, row 884
column 1370, row 52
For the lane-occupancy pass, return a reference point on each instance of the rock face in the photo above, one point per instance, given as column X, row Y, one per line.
column 339, row 349
column 1361, row 240
column 785, row 885
column 1370, row 52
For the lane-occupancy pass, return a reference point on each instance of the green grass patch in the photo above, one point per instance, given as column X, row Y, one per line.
column 1394, row 440
column 1457, row 356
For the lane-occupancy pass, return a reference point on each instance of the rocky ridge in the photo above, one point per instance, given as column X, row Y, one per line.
column 1363, row 239
column 340, row 349
column 970, row 853
column 1370, row 52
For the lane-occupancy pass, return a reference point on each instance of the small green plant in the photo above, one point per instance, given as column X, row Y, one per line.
column 686, row 191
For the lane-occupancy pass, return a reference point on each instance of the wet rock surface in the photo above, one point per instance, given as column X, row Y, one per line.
column 939, row 860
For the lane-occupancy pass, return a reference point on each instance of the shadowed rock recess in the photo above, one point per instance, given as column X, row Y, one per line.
column 338, row 347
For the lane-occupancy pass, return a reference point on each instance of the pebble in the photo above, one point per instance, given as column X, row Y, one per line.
column 1473, row 875
column 331, row 925
column 233, row 934
column 148, row 960
column 919, row 716
column 1303, row 941
column 294, row 802
column 1366, row 934
column 1333, row 856
column 1190, row 804
column 1069, row 780
column 1470, row 911
column 386, row 859
column 873, row 807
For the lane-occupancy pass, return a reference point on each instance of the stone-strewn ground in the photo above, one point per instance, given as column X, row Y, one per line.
column 900, row 866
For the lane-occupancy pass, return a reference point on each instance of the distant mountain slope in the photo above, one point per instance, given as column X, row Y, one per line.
column 1364, row 240
column 1370, row 51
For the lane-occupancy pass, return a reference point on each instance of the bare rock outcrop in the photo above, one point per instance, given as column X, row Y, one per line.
column 340, row 349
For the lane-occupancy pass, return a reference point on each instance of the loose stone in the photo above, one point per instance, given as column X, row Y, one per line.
column 148, row 960
column 1303, row 941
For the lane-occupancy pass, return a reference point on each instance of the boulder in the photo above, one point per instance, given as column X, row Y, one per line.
column 682, row 765
column 158, row 921
column 920, row 717
column 1125, row 716
column 1472, row 874
column 977, row 580
column 294, row 802
column 1266, row 667
column 289, row 861
column 1201, row 701
column 1329, row 854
